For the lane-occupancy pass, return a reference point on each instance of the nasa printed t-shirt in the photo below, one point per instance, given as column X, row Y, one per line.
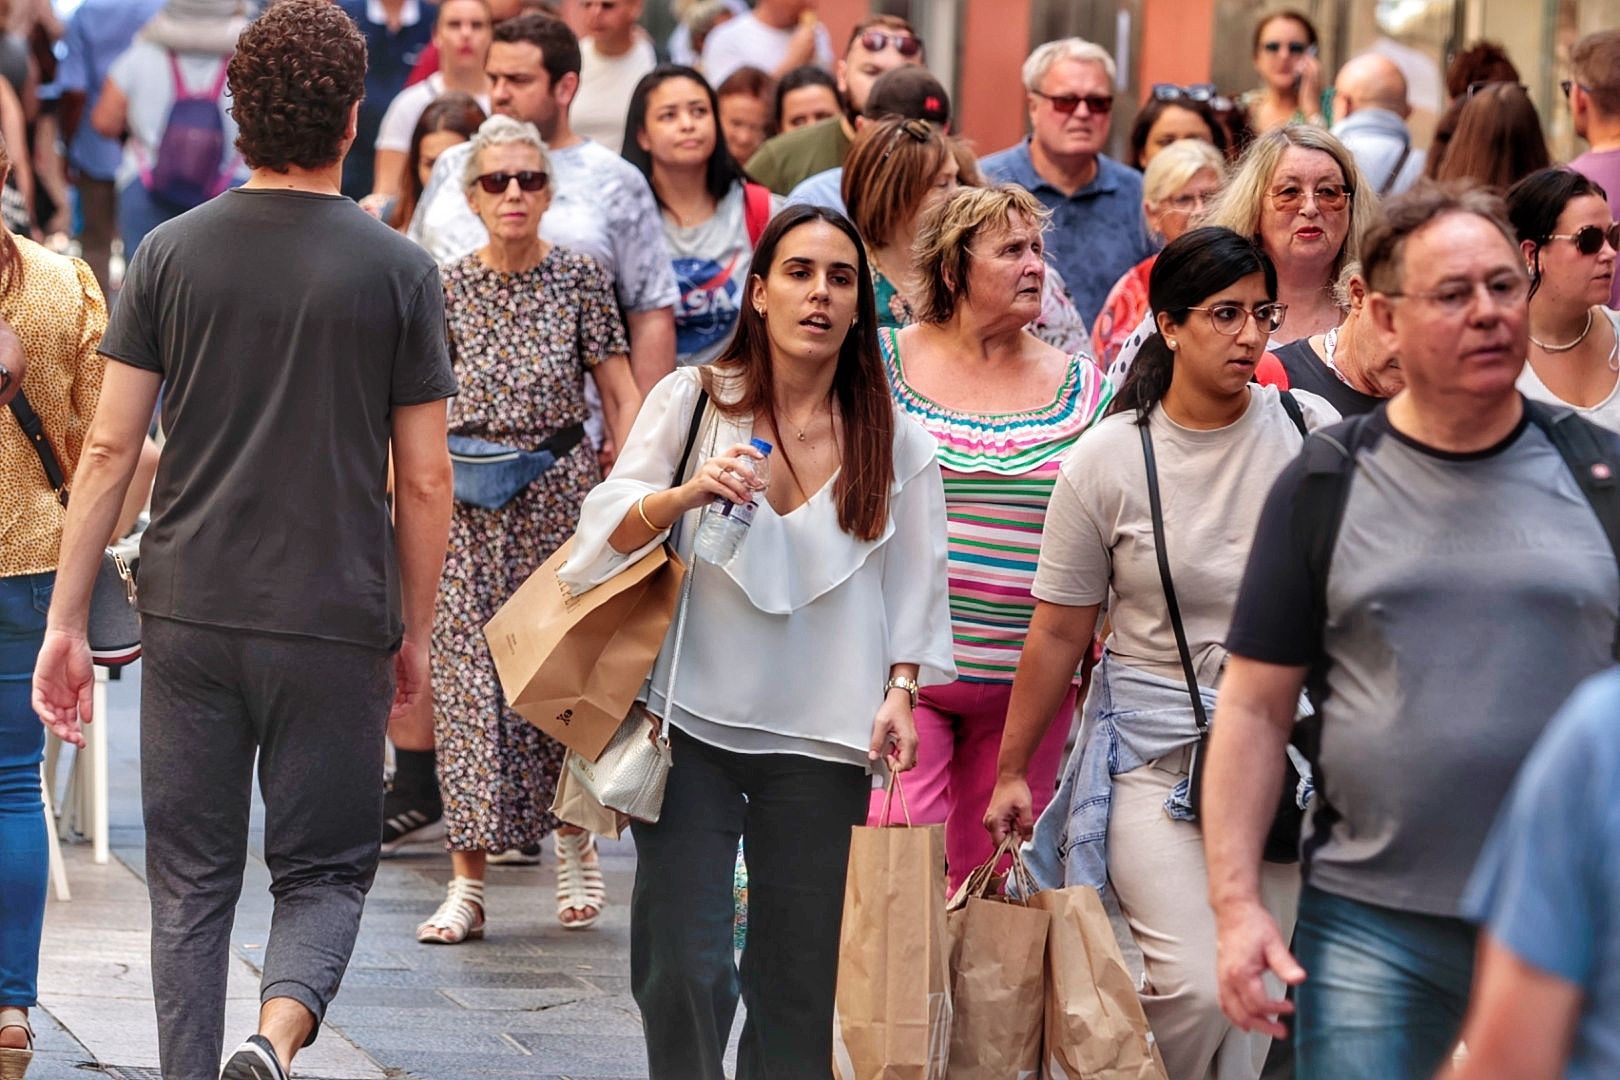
column 711, row 271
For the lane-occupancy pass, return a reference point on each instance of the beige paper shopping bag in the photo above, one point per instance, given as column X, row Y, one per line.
column 572, row 665
column 1095, row 1026
column 893, row 1014
column 998, row 977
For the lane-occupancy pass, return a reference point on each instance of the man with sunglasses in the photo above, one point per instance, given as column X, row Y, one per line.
column 1438, row 571
column 1097, row 230
column 1594, row 108
column 878, row 45
column 1369, row 100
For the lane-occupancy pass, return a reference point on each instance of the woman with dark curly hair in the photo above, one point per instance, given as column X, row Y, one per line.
column 286, row 607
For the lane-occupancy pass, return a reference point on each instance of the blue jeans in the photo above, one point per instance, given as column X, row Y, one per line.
column 1384, row 993
column 23, row 602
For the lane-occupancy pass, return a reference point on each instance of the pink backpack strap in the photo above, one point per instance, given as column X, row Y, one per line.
column 218, row 87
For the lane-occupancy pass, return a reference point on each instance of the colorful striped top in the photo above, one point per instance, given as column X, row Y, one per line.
column 999, row 471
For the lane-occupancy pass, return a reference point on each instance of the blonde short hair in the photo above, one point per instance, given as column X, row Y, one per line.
column 1079, row 50
column 946, row 233
column 1243, row 198
column 501, row 131
column 1174, row 167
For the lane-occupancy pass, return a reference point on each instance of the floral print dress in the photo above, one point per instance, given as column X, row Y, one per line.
column 522, row 343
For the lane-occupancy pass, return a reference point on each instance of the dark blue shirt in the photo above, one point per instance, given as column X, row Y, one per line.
column 97, row 34
column 1097, row 233
column 390, row 56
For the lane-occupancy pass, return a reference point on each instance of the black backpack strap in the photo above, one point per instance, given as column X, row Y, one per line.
column 34, row 428
column 1157, row 509
column 1290, row 405
column 1580, row 443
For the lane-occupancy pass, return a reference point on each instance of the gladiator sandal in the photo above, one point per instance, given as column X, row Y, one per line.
column 14, row 1061
column 460, row 917
column 579, row 879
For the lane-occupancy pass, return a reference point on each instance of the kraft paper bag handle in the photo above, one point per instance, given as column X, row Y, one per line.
column 979, row 884
column 885, row 816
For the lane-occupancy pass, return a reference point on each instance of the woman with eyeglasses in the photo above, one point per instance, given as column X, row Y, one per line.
column 528, row 322
column 1299, row 193
column 712, row 214
column 1173, row 113
column 1291, row 75
column 1121, row 816
column 1569, row 238
column 1497, row 140
column 1178, row 186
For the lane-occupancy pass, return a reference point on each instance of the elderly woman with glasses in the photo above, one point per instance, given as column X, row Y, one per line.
column 528, row 322
column 1180, row 183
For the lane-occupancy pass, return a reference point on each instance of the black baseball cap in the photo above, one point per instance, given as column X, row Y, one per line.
column 909, row 92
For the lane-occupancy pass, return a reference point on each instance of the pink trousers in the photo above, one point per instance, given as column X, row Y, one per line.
column 959, row 729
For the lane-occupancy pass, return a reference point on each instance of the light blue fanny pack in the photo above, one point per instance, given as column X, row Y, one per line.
column 490, row 475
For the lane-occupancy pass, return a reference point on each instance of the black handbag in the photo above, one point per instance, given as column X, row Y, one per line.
column 114, row 629
column 1282, row 841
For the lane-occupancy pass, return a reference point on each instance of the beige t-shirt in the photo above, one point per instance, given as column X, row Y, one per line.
column 1098, row 542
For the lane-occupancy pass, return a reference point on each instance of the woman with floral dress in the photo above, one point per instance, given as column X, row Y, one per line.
column 527, row 321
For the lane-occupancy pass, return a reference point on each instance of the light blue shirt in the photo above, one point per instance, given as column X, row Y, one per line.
column 1097, row 233
column 1382, row 146
column 825, row 188
column 97, row 34
column 1547, row 884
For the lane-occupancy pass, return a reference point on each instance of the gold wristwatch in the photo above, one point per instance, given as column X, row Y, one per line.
column 900, row 682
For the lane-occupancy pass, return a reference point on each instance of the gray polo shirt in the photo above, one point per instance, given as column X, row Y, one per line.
column 1466, row 597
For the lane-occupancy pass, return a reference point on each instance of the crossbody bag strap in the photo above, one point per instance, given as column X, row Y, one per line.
column 1156, row 509
column 34, row 428
column 1400, row 163
column 692, row 430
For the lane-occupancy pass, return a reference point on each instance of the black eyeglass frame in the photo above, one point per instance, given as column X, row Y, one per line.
column 496, row 183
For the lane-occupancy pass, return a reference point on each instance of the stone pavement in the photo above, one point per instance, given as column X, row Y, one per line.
column 532, row 1000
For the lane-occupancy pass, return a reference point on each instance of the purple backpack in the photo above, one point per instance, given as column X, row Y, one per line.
column 190, row 166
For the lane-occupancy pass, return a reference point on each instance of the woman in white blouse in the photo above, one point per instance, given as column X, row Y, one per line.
column 800, row 658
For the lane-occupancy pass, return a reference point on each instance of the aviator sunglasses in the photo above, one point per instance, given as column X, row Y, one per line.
column 907, row 45
column 1589, row 238
column 528, row 180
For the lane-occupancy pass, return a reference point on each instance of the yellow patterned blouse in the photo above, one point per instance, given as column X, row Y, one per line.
column 58, row 312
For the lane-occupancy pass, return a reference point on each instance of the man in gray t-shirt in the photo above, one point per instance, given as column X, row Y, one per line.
column 1470, row 588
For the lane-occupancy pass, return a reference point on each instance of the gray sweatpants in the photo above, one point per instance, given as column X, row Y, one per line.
column 314, row 713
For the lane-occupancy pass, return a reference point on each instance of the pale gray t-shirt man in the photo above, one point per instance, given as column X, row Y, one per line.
column 1467, row 595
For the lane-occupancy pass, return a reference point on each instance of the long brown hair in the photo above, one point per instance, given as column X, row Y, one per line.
column 860, row 385
column 454, row 111
column 11, row 266
column 1497, row 141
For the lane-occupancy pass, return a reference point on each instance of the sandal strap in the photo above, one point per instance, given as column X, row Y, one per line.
column 462, row 910
column 13, row 1017
column 579, row 874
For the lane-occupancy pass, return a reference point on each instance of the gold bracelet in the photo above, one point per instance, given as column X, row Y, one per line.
column 645, row 520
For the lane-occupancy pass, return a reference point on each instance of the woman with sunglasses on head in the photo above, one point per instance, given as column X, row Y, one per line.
column 1180, row 183
column 799, row 659
column 1569, row 237
column 528, row 322
column 1173, row 113
column 712, row 214
column 1121, row 816
column 1291, row 75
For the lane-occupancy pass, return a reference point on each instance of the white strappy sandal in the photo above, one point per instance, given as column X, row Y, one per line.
column 13, row 1060
column 579, row 879
column 459, row 918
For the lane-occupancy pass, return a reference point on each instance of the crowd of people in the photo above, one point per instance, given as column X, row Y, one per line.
column 1271, row 465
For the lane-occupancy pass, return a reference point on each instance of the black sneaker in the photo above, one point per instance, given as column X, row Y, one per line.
column 254, row 1060
column 410, row 820
column 527, row 855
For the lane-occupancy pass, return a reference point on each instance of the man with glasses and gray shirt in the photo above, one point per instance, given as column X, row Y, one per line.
column 1441, row 569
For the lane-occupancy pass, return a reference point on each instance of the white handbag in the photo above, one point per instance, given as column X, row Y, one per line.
column 630, row 774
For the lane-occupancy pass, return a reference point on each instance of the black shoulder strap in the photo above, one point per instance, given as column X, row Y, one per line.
column 1157, row 510
column 1330, row 460
column 1290, row 405
column 692, row 433
column 1579, row 443
column 34, row 428
column 1400, row 163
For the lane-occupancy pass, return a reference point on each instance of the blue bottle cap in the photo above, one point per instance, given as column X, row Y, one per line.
column 761, row 445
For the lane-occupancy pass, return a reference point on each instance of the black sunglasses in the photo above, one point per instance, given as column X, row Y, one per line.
column 496, row 183
column 907, row 45
column 1483, row 84
column 1589, row 238
column 1295, row 48
column 1096, row 104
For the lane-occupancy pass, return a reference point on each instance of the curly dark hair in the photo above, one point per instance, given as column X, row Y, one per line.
column 296, row 73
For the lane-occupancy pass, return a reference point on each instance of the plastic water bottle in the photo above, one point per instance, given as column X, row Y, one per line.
column 725, row 524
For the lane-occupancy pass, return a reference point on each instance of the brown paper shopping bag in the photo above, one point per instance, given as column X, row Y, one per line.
column 998, row 977
column 575, row 805
column 893, row 1014
column 572, row 665
column 1095, row 1026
